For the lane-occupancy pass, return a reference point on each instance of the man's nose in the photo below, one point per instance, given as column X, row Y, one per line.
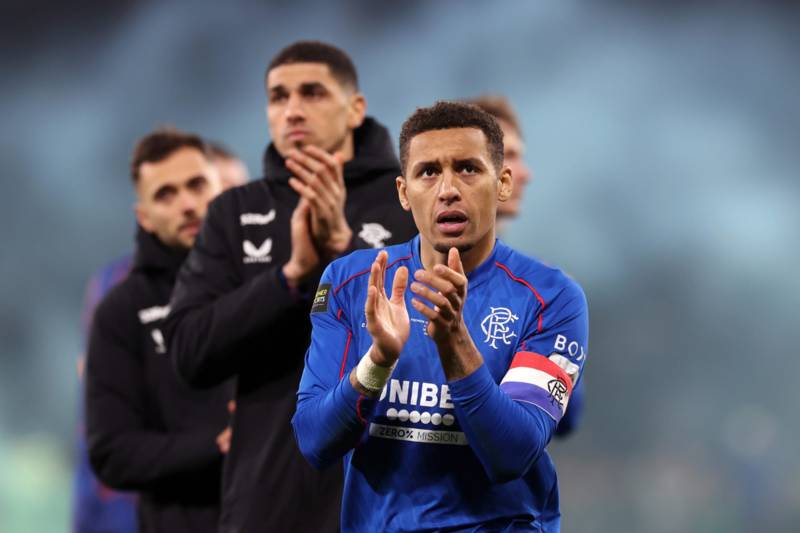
column 448, row 188
column 188, row 202
column 294, row 108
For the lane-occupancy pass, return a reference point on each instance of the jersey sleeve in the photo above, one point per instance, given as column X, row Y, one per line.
column 331, row 415
column 551, row 355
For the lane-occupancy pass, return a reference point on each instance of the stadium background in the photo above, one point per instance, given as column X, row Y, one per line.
column 663, row 138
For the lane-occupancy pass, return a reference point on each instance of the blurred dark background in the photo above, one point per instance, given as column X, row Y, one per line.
column 663, row 137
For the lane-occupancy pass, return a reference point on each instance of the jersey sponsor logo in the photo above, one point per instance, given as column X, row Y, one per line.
column 158, row 338
column 496, row 326
column 321, row 298
column 425, row 436
column 423, row 394
column 151, row 314
column 434, row 396
column 260, row 254
column 257, row 219
column 573, row 348
column 374, row 234
column 423, row 417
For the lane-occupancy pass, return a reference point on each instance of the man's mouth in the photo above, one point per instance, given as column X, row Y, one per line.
column 297, row 135
column 192, row 227
column 452, row 222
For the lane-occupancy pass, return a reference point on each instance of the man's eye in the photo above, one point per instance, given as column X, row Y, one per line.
column 165, row 195
column 197, row 184
column 428, row 173
column 314, row 93
column 277, row 98
column 469, row 169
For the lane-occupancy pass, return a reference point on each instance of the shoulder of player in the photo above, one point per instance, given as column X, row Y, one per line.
column 251, row 196
column 356, row 265
column 548, row 281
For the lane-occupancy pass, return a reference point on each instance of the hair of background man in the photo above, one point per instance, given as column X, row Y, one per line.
column 220, row 151
column 339, row 63
column 448, row 115
column 499, row 107
column 160, row 144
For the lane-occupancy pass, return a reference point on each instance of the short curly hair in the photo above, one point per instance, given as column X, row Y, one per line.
column 449, row 115
column 339, row 63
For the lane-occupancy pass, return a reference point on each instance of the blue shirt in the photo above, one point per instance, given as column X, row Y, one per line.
column 467, row 455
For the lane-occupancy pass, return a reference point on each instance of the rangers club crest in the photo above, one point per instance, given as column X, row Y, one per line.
column 374, row 234
column 496, row 326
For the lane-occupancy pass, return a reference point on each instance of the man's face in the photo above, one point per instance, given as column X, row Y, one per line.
column 174, row 194
column 514, row 153
column 232, row 172
column 451, row 188
column 307, row 105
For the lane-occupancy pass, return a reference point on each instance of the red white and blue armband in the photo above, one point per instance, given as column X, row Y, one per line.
column 535, row 379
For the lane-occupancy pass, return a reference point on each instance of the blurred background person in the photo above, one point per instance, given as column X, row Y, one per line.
column 96, row 507
column 232, row 170
column 328, row 188
column 513, row 151
column 514, row 158
column 146, row 430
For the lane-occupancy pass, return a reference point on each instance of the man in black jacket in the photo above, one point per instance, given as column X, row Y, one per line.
column 240, row 307
column 146, row 430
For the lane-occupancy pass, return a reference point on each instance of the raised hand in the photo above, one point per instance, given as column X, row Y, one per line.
column 445, row 290
column 304, row 259
column 319, row 178
column 387, row 317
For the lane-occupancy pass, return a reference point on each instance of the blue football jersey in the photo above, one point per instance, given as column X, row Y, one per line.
column 412, row 461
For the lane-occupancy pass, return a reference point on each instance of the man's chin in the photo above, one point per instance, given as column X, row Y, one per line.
column 443, row 245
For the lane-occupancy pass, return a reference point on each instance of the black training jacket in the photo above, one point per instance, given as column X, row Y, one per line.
column 232, row 315
column 148, row 431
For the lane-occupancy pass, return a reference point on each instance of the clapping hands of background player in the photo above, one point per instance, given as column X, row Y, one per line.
column 319, row 179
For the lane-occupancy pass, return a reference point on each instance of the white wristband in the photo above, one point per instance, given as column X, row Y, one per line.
column 371, row 376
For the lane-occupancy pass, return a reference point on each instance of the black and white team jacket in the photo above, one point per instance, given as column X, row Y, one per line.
column 147, row 430
column 232, row 315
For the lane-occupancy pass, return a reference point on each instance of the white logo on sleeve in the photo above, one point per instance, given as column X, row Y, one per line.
column 258, row 254
column 495, row 326
column 158, row 338
column 257, row 219
column 374, row 234
column 151, row 314
column 573, row 348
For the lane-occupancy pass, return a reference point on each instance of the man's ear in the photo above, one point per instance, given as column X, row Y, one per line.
column 142, row 217
column 357, row 110
column 400, row 181
column 505, row 184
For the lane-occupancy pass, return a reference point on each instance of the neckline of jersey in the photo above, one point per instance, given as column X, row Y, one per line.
column 474, row 278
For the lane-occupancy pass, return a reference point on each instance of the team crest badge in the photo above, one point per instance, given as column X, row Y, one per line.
column 496, row 326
